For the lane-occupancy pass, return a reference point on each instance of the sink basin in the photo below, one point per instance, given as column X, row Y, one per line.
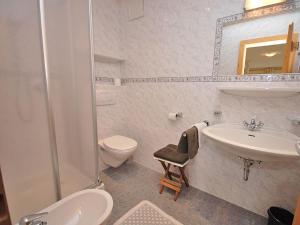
column 263, row 145
column 87, row 207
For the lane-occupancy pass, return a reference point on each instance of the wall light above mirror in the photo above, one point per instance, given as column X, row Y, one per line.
column 260, row 36
column 255, row 4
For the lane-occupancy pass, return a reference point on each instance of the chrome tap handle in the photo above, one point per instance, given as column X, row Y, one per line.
column 253, row 126
column 32, row 219
column 260, row 124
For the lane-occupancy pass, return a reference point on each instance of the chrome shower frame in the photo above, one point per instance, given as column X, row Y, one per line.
column 49, row 105
column 98, row 180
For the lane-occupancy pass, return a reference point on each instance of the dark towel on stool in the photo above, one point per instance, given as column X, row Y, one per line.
column 189, row 142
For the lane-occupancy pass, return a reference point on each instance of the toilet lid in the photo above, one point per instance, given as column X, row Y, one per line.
column 119, row 143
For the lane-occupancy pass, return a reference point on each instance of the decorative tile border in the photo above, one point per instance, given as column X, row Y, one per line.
column 241, row 17
column 189, row 79
column 221, row 22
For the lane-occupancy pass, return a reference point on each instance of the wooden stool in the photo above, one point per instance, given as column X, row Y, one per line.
column 178, row 156
column 169, row 181
column 296, row 220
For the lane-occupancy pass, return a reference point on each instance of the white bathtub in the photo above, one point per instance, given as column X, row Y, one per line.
column 88, row 207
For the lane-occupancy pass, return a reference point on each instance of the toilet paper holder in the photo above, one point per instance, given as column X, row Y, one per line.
column 179, row 115
column 175, row 115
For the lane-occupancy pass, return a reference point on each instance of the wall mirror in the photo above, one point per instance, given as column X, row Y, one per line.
column 259, row 42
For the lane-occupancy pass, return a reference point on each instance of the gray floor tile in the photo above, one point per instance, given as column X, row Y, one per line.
column 132, row 183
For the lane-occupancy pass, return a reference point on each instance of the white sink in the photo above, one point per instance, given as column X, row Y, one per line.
column 88, row 207
column 263, row 145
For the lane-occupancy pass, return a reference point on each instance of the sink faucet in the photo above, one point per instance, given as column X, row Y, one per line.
column 33, row 219
column 253, row 126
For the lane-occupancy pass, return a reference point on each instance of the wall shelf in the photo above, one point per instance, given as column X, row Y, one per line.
column 107, row 59
column 260, row 92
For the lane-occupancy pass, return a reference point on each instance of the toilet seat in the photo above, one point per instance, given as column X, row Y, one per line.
column 116, row 150
column 119, row 143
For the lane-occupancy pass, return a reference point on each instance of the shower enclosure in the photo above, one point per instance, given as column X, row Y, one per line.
column 48, row 135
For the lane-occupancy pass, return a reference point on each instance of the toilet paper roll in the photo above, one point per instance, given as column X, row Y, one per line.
column 172, row 116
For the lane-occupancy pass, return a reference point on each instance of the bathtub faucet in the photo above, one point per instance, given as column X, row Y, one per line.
column 33, row 219
column 252, row 126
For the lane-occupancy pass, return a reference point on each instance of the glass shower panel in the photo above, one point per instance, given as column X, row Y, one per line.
column 25, row 154
column 67, row 27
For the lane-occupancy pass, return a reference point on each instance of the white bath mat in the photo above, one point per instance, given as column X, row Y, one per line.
column 146, row 213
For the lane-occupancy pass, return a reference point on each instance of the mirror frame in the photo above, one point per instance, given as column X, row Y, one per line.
column 286, row 7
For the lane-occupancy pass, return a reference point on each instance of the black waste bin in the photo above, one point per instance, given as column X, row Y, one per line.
column 279, row 216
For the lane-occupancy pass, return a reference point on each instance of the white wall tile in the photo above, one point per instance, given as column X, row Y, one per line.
column 176, row 38
column 107, row 30
column 212, row 170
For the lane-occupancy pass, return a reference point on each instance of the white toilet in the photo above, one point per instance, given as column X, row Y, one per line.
column 116, row 149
